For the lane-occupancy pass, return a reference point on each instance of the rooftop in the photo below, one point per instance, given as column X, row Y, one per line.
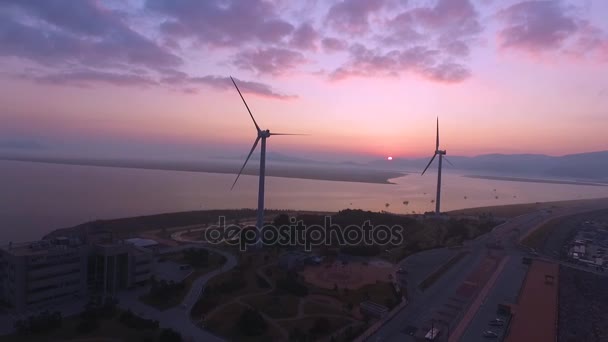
column 140, row 242
column 41, row 247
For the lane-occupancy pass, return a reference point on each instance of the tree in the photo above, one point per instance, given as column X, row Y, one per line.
column 321, row 326
column 169, row 335
column 281, row 220
column 251, row 323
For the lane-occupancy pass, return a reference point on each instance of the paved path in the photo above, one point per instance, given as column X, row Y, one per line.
column 178, row 318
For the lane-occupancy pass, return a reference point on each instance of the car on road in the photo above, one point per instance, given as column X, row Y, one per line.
column 490, row 334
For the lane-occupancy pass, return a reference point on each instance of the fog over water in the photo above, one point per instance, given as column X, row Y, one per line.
column 37, row 198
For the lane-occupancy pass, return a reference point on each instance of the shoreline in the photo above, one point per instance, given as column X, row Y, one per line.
column 537, row 180
column 277, row 169
column 140, row 224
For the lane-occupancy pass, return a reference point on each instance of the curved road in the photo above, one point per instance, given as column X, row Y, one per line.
column 178, row 318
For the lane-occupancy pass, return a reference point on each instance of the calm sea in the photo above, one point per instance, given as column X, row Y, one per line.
column 36, row 198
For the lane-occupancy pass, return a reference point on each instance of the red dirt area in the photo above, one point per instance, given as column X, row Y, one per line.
column 535, row 315
column 352, row 275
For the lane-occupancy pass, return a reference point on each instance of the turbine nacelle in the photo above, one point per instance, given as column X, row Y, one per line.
column 264, row 133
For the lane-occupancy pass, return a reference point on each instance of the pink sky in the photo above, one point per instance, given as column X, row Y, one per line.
column 364, row 78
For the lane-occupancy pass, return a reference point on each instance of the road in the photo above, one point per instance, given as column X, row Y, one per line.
column 423, row 305
column 178, row 318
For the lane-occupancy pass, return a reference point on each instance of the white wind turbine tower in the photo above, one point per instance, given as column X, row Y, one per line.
column 441, row 154
column 261, row 135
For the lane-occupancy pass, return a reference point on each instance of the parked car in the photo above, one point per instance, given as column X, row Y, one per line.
column 497, row 322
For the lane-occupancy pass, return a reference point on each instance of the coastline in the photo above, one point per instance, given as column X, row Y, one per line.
column 335, row 173
column 537, row 180
column 140, row 224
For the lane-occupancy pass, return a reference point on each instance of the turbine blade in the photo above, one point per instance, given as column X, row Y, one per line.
column 449, row 162
column 287, row 134
column 429, row 164
column 246, row 160
column 437, row 143
column 246, row 106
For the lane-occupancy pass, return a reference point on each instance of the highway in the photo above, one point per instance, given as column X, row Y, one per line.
column 423, row 306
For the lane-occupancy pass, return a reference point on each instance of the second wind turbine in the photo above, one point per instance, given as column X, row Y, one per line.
column 262, row 135
column 441, row 154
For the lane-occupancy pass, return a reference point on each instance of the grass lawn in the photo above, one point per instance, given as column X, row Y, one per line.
column 380, row 292
column 217, row 291
column 316, row 308
column 108, row 330
column 433, row 277
column 304, row 325
column 275, row 305
column 224, row 323
column 537, row 238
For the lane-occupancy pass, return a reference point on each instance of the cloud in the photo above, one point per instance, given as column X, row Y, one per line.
column 305, row 37
column 333, row 44
column 255, row 88
column 83, row 16
column 430, row 41
column 188, row 85
column 273, row 61
column 539, row 27
column 352, row 16
column 225, row 23
column 84, row 34
column 536, row 25
column 451, row 25
column 419, row 60
column 84, row 78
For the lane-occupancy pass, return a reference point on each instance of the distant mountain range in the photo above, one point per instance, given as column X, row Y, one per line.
column 591, row 166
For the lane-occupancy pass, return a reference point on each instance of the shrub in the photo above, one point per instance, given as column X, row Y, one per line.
column 251, row 323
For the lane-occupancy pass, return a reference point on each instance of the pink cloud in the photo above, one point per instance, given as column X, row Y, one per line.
column 333, row 44
column 222, row 22
column 273, row 61
column 539, row 27
column 418, row 60
column 305, row 37
column 352, row 16
column 536, row 25
column 85, row 78
column 224, row 83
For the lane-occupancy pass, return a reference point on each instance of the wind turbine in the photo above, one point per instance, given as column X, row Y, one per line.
column 261, row 135
column 441, row 154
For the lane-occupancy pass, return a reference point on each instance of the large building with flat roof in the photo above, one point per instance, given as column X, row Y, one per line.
column 43, row 272
column 38, row 274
